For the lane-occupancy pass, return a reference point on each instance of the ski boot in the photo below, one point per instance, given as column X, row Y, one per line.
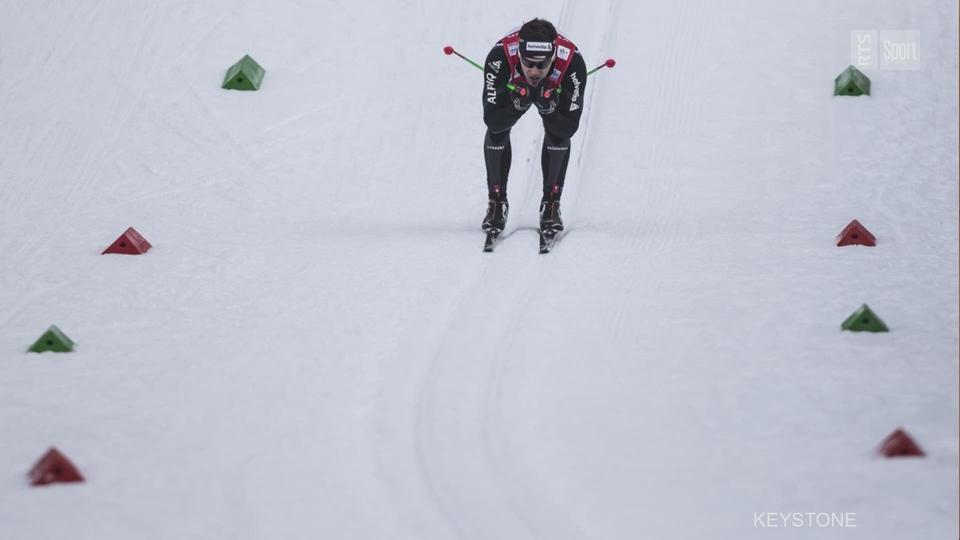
column 496, row 218
column 550, row 222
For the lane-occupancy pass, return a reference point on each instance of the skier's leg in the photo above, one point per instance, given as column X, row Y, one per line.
column 553, row 160
column 497, row 156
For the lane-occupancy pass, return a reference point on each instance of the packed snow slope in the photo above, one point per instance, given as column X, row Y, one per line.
column 316, row 347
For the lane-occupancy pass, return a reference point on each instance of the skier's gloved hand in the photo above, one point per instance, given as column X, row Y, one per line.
column 546, row 100
column 522, row 96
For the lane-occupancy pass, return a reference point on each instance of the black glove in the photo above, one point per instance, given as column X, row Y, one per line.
column 546, row 100
column 522, row 96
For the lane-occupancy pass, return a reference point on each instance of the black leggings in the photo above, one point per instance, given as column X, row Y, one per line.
column 554, row 157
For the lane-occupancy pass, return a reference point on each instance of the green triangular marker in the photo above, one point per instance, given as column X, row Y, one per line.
column 864, row 320
column 244, row 75
column 852, row 82
column 53, row 340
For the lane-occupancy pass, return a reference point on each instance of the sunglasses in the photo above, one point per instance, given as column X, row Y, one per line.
column 539, row 65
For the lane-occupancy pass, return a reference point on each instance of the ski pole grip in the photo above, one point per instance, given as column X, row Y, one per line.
column 513, row 88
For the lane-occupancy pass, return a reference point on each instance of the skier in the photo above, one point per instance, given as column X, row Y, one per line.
column 534, row 66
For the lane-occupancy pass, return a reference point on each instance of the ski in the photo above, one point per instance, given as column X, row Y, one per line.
column 547, row 240
column 492, row 236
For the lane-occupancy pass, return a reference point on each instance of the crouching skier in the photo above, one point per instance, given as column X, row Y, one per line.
column 539, row 67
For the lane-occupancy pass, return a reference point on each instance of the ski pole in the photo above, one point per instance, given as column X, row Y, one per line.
column 448, row 50
column 609, row 63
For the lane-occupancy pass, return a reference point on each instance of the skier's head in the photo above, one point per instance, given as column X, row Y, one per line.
column 536, row 49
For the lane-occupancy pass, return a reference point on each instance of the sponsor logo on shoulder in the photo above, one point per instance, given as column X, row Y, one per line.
column 513, row 48
column 563, row 52
column 495, row 66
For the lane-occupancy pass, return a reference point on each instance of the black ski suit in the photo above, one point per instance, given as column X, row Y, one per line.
column 501, row 110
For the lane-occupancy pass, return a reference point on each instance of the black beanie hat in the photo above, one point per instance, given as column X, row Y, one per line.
column 536, row 38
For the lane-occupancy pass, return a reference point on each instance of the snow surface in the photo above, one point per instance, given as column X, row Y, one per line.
column 316, row 347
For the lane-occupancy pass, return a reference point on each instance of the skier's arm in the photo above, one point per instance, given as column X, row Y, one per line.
column 565, row 121
column 499, row 112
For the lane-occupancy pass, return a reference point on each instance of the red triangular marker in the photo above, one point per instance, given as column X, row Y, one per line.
column 53, row 467
column 856, row 234
column 899, row 444
column 129, row 243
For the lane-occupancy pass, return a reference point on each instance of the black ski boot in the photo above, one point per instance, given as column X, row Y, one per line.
column 496, row 218
column 550, row 221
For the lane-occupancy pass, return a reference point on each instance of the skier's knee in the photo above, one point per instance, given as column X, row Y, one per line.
column 497, row 137
column 556, row 140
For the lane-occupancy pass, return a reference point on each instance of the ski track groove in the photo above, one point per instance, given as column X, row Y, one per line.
column 494, row 435
column 516, row 295
column 448, row 340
